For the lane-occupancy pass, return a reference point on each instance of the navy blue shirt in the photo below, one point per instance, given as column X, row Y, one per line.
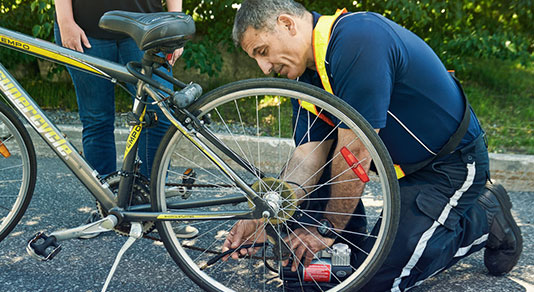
column 395, row 80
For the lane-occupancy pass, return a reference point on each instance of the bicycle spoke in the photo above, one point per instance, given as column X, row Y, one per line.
column 252, row 126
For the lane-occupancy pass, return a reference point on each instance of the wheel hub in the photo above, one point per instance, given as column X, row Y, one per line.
column 279, row 196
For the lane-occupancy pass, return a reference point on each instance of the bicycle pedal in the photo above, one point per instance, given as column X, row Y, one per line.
column 42, row 247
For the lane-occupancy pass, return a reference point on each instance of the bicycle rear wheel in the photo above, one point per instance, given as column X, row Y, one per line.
column 17, row 170
column 253, row 118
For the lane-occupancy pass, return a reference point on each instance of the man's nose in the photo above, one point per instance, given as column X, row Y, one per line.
column 265, row 66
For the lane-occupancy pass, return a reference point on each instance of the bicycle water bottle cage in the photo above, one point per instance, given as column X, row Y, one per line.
column 166, row 31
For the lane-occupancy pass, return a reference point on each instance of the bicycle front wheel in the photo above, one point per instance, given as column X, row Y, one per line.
column 322, row 178
column 17, row 170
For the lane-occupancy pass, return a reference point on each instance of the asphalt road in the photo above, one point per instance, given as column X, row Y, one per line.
column 60, row 201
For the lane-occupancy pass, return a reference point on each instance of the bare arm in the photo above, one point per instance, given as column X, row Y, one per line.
column 305, row 169
column 351, row 189
column 72, row 36
column 175, row 6
column 305, row 166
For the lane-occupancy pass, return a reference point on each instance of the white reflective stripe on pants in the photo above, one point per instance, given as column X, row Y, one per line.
column 423, row 241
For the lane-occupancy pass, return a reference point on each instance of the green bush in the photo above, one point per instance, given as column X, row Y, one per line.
column 31, row 17
column 455, row 29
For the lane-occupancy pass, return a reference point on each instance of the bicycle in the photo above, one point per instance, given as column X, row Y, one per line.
column 209, row 169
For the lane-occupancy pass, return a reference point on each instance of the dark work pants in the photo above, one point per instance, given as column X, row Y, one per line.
column 440, row 222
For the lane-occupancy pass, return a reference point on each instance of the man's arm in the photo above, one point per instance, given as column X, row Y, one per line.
column 344, row 197
column 351, row 189
column 72, row 36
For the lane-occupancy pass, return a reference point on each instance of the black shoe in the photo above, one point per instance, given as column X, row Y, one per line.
column 505, row 243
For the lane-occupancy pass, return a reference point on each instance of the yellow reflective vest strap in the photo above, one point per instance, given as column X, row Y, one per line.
column 313, row 109
column 398, row 171
column 321, row 38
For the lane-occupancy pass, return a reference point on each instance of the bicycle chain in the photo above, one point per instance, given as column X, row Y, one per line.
column 189, row 186
column 192, row 247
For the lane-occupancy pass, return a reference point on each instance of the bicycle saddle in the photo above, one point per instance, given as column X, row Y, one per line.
column 164, row 30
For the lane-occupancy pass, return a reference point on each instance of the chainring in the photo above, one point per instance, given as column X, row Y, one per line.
column 141, row 195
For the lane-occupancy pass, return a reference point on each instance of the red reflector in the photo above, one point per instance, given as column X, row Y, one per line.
column 353, row 162
column 169, row 57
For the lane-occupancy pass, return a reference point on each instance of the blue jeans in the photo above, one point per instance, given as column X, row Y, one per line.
column 96, row 105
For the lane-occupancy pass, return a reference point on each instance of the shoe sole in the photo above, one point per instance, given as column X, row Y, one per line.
column 183, row 236
column 504, row 200
column 187, row 236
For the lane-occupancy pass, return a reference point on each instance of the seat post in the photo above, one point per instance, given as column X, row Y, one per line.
column 129, row 163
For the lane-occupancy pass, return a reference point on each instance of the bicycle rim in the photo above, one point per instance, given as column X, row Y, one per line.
column 265, row 138
column 17, row 170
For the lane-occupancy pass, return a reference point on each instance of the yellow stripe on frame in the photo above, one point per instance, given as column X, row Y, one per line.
column 50, row 55
column 184, row 216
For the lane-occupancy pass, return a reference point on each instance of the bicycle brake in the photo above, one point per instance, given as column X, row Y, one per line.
column 39, row 247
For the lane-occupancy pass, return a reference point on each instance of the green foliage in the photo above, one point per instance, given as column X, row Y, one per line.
column 214, row 21
column 457, row 29
column 502, row 94
column 32, row 17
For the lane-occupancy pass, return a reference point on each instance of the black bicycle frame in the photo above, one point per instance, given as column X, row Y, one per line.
column 26, row 106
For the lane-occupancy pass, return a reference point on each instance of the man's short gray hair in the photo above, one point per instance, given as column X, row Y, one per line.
column 262, row 14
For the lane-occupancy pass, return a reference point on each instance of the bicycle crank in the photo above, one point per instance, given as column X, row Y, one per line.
column 45, row 247
column 141, row 195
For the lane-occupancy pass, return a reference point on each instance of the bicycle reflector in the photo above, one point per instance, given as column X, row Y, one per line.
column 354, row 164
column 3, row 150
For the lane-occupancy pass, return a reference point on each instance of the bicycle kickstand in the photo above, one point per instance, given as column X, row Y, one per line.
column 136, row 232
column 45, row 247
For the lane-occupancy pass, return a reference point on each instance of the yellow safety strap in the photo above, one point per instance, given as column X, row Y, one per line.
column 313, row 109
column 399, row 171
column 321, row 38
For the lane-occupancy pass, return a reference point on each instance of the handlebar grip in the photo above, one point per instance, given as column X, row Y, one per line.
column 186, row 96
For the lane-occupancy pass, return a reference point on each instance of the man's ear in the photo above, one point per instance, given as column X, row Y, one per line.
column 287, row 22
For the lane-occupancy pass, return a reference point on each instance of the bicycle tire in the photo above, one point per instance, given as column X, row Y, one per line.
column 170, row 155
column 18, row 168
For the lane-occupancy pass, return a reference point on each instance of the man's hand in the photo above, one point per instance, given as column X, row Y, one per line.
column 306, row 242
column 244, row 232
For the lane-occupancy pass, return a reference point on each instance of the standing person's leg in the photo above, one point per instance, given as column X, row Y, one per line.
column 151, row 137
column 96, row 106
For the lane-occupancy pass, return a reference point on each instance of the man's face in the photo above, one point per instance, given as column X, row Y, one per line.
column 281, row 50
